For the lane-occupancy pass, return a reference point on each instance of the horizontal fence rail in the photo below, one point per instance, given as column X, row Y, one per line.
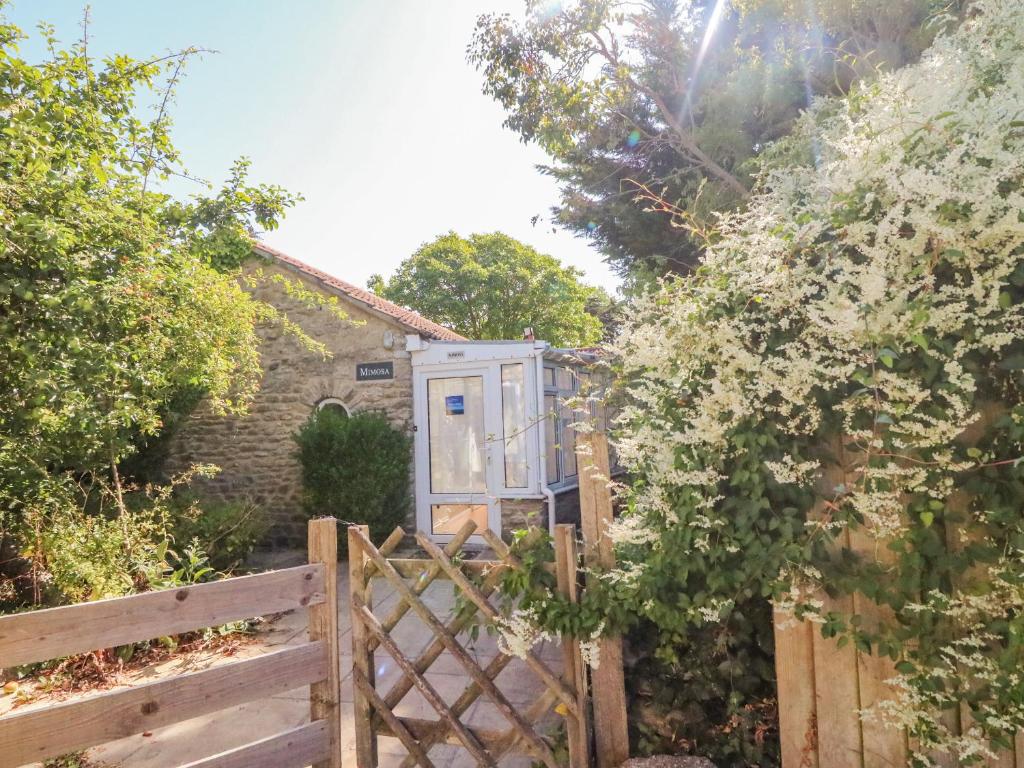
column 70, row 726
column 26, row 638
column 50, row 731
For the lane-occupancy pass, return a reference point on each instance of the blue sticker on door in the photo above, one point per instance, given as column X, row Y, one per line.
column 454, row 405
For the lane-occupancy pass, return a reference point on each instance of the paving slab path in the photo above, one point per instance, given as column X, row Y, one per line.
column 202, row 736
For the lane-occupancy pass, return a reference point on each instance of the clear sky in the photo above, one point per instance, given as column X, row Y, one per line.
column 367, row 108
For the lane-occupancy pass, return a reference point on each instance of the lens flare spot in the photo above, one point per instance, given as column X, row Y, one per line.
column 591, row 226
column 633, row 139
column 549, row 9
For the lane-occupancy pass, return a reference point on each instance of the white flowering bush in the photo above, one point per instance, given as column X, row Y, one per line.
column 833, row 401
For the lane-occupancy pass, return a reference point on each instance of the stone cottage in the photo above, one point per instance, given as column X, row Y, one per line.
column 491, row 421
column 369, row 369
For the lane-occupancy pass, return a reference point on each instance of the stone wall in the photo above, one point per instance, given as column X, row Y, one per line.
column 256, row 452
column 522, row 513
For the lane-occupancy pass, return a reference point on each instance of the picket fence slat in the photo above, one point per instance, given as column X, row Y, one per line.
column 54, row 632
column 35, row 735
column 794, row 664
column 837, row 696
column 881, row 745
column 295, row 748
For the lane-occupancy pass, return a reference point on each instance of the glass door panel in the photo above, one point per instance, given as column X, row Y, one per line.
column 457, row 436
column 447, row 519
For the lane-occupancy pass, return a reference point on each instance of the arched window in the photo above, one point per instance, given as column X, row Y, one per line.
column 334, row 405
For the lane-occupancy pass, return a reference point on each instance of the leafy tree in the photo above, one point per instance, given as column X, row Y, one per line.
column 114, row 299
column 492, row 287
column 665, row 105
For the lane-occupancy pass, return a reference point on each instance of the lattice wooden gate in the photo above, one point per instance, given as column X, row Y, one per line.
column 375, row 710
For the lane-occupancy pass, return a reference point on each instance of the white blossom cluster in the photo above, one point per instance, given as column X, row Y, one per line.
column 519, row 632
column 898, row 239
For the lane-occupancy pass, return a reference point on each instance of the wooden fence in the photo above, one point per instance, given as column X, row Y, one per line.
column 823, row 687
column 375, row 710
column 37, row 734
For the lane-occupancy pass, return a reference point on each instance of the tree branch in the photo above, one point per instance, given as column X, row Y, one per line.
column 685, row 139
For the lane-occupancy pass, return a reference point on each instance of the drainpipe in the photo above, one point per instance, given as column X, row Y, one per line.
column 548, row 493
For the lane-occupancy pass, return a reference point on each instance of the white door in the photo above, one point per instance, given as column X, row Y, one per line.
column 454, row 452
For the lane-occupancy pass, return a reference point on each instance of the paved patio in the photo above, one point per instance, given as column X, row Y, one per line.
column 203, row 736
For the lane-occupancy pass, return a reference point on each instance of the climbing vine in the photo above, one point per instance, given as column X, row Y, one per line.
column 832, row 404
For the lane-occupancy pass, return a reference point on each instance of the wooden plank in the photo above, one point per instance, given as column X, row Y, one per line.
column 836, row 696
column 470, row 591
column 55, row 632
column 397, row 729
column 1003, row 759
column 428, row 691
column 452, row 645
column 836, row 687
column 360, row 594
column 608, row 680
column 882, row 746
column 577, row 732
column 295, row 748
column 325, row 696
column 794, row 672
column 38, row 734
column 950, row 718
column 956, row 538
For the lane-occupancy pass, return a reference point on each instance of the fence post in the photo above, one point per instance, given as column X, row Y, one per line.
column 609, row 694
column 566, row 565
column 325, row 696
column 361, row 592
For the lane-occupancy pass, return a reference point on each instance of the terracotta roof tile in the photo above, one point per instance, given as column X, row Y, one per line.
column 407, row 317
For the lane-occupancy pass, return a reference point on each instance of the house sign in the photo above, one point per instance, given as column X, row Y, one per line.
column 375, row 371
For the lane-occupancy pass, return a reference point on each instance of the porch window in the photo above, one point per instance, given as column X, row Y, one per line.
column 550, row 437
column 513, row 418
column 561, row 384
column 568, row 442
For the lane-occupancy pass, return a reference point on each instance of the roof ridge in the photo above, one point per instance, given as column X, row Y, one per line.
column 407, row 317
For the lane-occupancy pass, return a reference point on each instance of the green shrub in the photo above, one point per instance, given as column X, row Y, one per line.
column 79, row 556
column 227, row 531
column 355, row 468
